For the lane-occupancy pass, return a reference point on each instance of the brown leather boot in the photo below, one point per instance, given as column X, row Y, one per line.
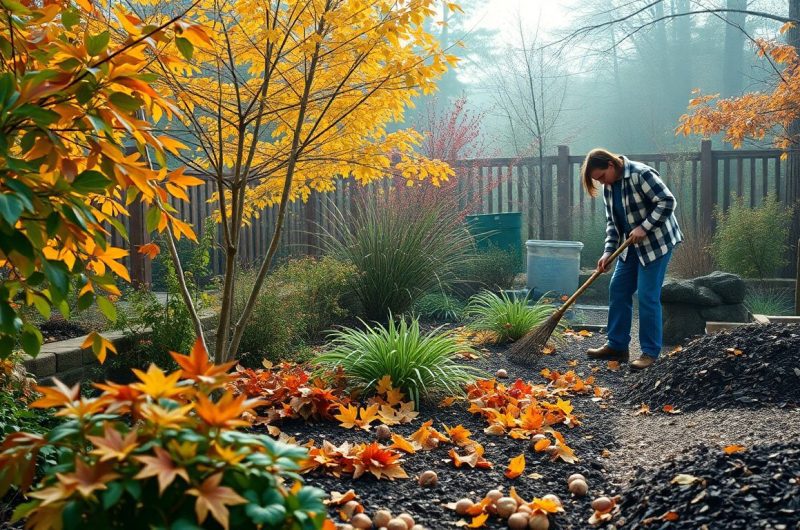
column 645, row 361
column 606, row 353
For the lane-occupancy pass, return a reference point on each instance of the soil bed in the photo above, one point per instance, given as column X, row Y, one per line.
column 757, row 488
column 57, row 329
column 749, row 366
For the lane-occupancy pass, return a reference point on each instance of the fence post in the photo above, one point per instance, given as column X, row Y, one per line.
column 141, row 266
column 708, row 176
column 311, row 223
column 563, row 198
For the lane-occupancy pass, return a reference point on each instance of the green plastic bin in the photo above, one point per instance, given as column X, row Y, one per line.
column 498, row 230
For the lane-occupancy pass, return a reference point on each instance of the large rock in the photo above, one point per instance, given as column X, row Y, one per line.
column 686, row 292
column 681, row 321
column 730, row 287
column 726, row 313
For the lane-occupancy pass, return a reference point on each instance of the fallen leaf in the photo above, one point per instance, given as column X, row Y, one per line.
column 541, row 445
column 734, row 351
column 670, row 516
column 731, row 449
column 341, row 498
column 675, row 351
column 515, row 467
column 669, row 409
column 684, row 479
column 547, row 350
column 573, row 362
column 585, row 333
column 448, row 401
column 479, row 520
column 613, row 365
column 535, row 476
column 644, row 409
column 605, row 453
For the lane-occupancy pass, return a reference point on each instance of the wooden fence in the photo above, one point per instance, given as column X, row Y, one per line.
column 547, row 192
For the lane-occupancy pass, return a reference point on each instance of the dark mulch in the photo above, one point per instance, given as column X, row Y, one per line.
column 750, row 366
column 424, row 504
column 57, row 329
column 758, row 488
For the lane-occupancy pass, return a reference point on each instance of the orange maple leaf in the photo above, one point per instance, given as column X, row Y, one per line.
column 59, row 396
column 151, row 250
column 731, row 449
column 196, row 365
column 459, row 435
column 515, row 467
column 380, row 461
column 112, row 445
column 161, row 466
column 227, row 412
column 478, row 521
column 211, row 497
column 398, row 442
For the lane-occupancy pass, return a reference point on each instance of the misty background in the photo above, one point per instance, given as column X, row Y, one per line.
column 538, row 75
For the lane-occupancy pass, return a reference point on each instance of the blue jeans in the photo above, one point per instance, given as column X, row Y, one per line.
column 630, row 276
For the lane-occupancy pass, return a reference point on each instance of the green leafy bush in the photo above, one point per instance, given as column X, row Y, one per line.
column 752, row 242
column 321, row 285
column 439, row 306
column 493, row 269
column 420, row 364
column 160, row 453
column 764, row 301
column 508, row 318
column 401, row 249
column 275, row 325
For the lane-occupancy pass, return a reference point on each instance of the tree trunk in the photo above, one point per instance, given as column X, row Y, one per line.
column 792, row 189
column 734, row 49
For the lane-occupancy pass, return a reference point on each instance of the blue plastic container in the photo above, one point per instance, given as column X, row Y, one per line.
column 553, row 266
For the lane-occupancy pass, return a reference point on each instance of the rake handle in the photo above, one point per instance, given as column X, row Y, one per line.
column 571, row 300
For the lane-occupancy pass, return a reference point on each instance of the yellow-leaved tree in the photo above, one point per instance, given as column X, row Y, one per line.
column 290, row 95
column 73, row 140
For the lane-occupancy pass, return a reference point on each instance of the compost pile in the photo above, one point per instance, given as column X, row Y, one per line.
column 756, row 488
column 750, row 366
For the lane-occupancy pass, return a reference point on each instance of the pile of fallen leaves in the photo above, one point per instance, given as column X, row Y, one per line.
column 753, row 365
column 719, row 487
column 526, row 411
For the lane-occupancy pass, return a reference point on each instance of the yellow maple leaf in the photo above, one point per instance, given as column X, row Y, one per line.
column 516, row 466
column 732, row 449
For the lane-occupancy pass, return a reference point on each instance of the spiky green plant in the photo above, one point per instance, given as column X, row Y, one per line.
column 509, row 318
column 401, row 250
column 439, row 306
column 420, row 364
column 765, row 301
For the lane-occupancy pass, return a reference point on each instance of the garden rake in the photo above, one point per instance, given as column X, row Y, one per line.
column 532, row 344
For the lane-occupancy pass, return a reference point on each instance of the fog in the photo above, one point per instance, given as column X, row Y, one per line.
column 591, row 73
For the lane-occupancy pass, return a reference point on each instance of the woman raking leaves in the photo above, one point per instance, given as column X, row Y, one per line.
column 638, row 205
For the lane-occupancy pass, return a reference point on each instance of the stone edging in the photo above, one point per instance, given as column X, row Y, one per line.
column 67, row 361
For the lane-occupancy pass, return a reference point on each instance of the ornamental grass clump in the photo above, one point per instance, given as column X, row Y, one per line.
column 508, row 318
column 163, row 452
column 420, row 364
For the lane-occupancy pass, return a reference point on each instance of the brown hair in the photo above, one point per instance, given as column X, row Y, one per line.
column 597, row 158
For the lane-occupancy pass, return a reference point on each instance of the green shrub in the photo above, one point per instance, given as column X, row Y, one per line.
column 275, row 326
column 439, row 306
column 508, row 318
column 419, row 364
column 321, row 285
column 401, row 250
column 761, row 301
column 752, row 242
column 493, row 269
column 157, row 454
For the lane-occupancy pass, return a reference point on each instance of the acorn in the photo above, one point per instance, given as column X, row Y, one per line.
column 578, row 487
column 408, row 519
column 383, row 432
column 361, row 520
column 505, row 506
column 539, row 522
column 397, row 524
column 428, row 479
column 502, row 373
column 381, row 518
column 518, row 521
column 575, row 476
column 602, row 504
column 463, row 505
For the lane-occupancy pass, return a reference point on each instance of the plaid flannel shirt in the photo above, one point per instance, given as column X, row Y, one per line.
column 647, row 203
